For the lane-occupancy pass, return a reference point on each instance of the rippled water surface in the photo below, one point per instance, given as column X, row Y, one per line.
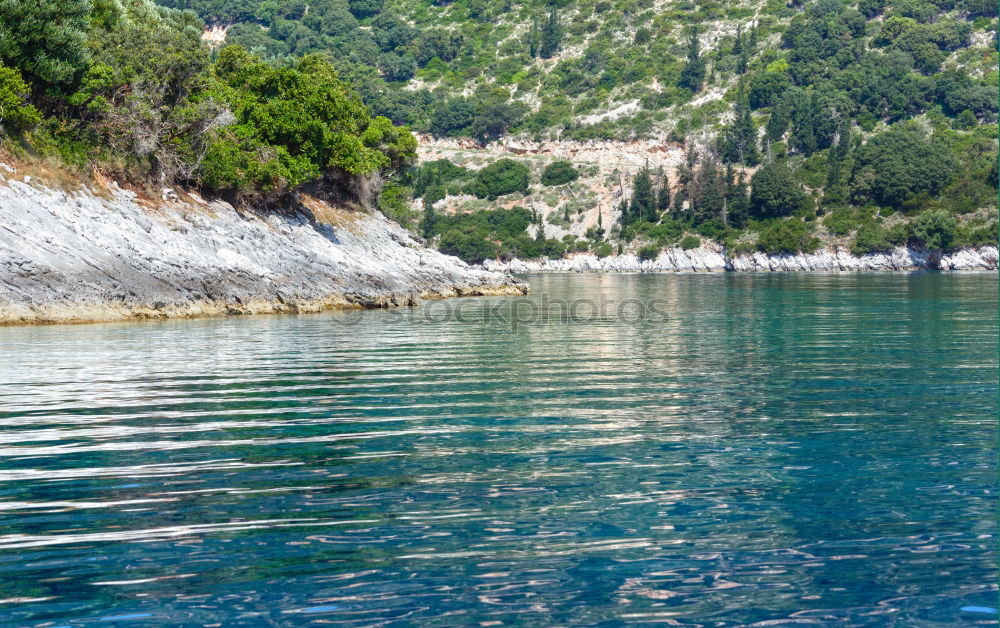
column 766, row 448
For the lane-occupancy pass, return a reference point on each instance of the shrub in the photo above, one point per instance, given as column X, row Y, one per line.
column 648, row 252
column 690, row 242
column 871, row 238
column 294, row 124
column 469, row 247
column 602, row 250
column 558, row 173
column 935, row 229
column 15, row 111
column 501, row 177
column 394, row 202
column 46, row 40
column 787, row 236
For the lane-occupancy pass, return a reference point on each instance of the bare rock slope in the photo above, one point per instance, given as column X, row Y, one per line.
column 81, row 257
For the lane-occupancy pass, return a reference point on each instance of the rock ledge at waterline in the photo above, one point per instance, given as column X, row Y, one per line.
column 81, row 257
column 710, row 260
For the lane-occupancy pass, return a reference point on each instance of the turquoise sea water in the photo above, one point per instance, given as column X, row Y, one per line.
column 783, row 449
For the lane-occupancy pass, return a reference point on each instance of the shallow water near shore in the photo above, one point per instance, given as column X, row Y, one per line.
column 708, row 450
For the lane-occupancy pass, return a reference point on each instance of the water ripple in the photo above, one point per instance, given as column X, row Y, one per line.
column 781, row 450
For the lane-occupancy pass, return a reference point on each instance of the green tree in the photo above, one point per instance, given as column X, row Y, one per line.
column 935, row 229
column 775, row 192
column 693, row 74
column 737, row 202
column 551, row 36
column 789, row 235
column 293, row 125
column 767, row 89
column 45, row 39
column 898, row 164
column 429, row 221
column 643, row 203
column 741, row 138
column 15, row 110
column 663, row 195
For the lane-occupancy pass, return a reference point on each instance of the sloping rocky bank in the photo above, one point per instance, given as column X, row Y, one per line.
column 83, row 257
column 717, row 260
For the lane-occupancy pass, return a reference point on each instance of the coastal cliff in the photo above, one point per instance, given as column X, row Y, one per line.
column 112, row 255
column 717, row 260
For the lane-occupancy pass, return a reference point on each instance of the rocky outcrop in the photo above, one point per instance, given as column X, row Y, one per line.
column 82, row 257
column 711, row 260
column 670, row 260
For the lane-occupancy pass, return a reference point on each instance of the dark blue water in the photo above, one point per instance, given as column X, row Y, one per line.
column 771, row 449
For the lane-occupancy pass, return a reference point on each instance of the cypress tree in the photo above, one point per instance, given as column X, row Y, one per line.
column 693, row 74
column 663, row 197
column 738, row 203
column 741, row 138
column 551, row 36
column 428, row 223
column 712, row 199
column 625, row 219
column 534, row 36
column 643, row 204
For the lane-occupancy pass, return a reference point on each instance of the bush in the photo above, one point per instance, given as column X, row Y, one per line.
column 690, row 242
column 15, row 111
column 394, row 202
column 294, row 124
column 935, row 229
column 501, row 177
column 602, row 250
column 469, row 247
column 47, row 41
column 871, row 238
column 648, row 252
column 558, row 173
column 787, row 236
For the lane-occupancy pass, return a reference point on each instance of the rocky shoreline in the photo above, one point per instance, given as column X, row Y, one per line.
column 717, row 260
column 83, row 257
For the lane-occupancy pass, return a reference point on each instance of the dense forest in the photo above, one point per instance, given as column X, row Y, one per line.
column 865, row 124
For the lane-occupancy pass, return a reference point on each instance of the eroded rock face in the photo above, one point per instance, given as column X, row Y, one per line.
column 712, row 260
column 78, row 257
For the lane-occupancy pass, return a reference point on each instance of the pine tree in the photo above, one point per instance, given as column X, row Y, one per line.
column 777, row 124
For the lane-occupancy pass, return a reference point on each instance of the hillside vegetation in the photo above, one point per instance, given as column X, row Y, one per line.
column 768, row 125
column 128, row 87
